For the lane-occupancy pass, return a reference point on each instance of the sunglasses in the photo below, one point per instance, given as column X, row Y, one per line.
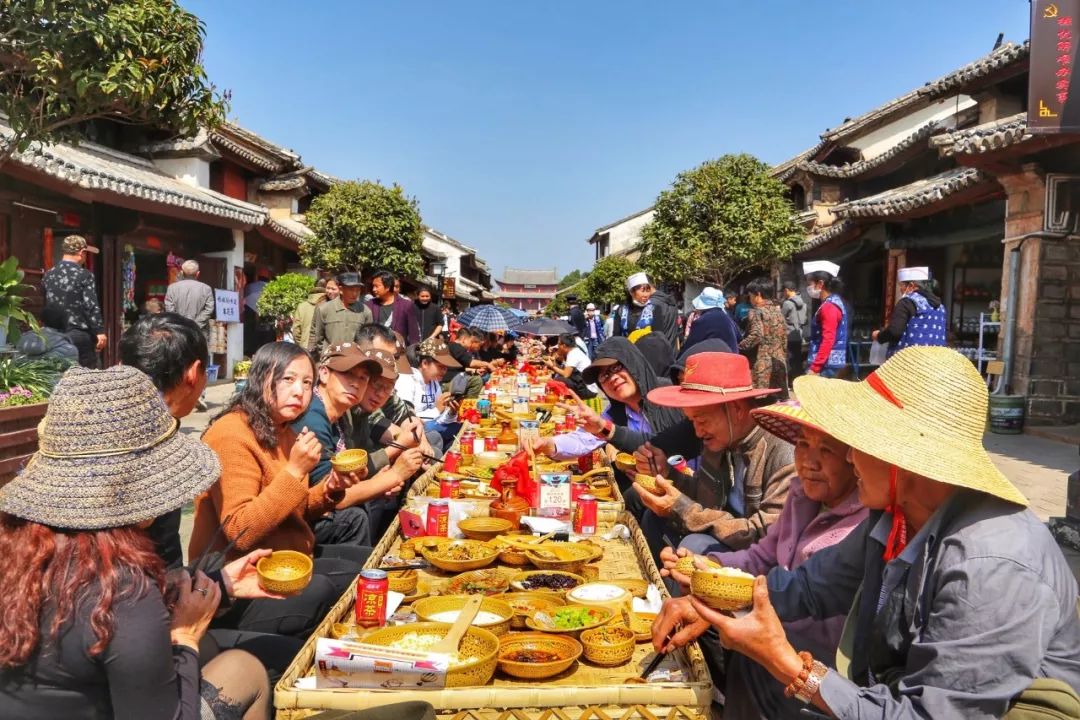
column 609, row 371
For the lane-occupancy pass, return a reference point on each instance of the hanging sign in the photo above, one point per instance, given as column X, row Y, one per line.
column 227, row 305
column 1055, row 34
column 449, row 288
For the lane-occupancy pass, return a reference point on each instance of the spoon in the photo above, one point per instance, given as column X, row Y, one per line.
column 449, row 644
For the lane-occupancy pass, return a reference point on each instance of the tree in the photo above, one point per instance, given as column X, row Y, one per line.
column 571, row 278
column 720, row 219
column 362, row 225
column 606, row 283
column 65, row 62
column 282, row 295
column 557, row 307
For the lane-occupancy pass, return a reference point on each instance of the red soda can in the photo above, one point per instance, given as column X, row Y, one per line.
column 438, row 517
column 450, row 487
column 451, row 461
column 585, row 515
column 491, row 444
column 585, row 462
column 578, row 487
column 679, row 464
column 371, row 590
column 467, row 448
column 571, row 422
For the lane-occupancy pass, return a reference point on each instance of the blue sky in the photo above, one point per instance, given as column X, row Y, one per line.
column 522, row 126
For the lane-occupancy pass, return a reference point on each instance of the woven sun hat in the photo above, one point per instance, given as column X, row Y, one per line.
column 785, row 420
column 923, row 411
column 109, row 455
column 711, row 378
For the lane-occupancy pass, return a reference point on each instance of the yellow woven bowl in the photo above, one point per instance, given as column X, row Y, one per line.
column 284, row 572
column 477, row 582
column 600, row 616
column 430, row 609
column 571, row 557
column 443, row 556
column 491, row 459
column 641, row 624
column 525, row 604
column 403, row 581
column 635, row 586
column 646, row 481
column 347, row 631
column 626, row 463
column 479, row 648
column 521, row 581
column 601, row 488
column 723, row 588
column 609, row 646
column 484, row 528
column 686, row 564
column 348, row 461
column 567, row 649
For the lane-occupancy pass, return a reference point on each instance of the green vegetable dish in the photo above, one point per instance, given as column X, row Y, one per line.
column 571, row 618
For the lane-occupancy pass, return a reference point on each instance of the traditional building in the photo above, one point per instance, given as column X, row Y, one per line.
column 528, row 290
column 465, row 278
column 622, row 237
column 947, row 176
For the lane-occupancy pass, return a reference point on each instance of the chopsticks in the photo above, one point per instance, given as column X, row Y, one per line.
column 652, row 465
column 399, row 446
column 655, row 662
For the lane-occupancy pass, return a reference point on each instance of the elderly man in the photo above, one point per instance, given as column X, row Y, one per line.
column 337, row 321
column 742, row 479
column 195, row 301
column 70, row 286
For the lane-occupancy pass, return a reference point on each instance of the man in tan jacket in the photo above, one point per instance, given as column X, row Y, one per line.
column 339, row 320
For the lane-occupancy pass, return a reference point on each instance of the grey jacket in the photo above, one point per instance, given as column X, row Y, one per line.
column 796, row 317
column 979, row 604
column 49, row 344
column 192, row 299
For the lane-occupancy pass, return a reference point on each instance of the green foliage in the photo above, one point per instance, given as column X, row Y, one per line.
column 241, row 368
column 281, row 296
column 557, row 307
column 572, row 278
column 64, row 62
column 13, row 294
column 365, row 226
column 722, row 218
column 37, row 377
column 606, row 284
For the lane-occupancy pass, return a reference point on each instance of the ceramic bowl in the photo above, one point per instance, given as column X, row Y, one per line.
column 626, row 463
column 484, row 528
column 609, row 646
column 348, row 461
column 723, row 588
column 284, row 572
column 480, row 555
column 525, row 604
column 567, row 650
column 478, row 646
column 428, row 608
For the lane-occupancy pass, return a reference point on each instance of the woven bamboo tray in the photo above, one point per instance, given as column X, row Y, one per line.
column 585, row 692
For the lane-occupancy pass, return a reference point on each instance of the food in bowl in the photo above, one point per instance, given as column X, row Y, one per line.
column 530, row 655
column 597, row 592
column 648, row 482
column 479, row 582
column 549, row 581
column 573, row 617
column 422, row 643
column 483, row 617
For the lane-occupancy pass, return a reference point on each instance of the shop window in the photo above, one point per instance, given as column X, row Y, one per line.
column 1062, row 203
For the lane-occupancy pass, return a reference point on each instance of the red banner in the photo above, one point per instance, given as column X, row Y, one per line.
column 1055, row 34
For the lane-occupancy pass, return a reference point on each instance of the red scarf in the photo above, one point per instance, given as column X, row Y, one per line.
column 898, row 533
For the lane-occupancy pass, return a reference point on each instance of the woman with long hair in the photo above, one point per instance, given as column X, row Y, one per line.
column 264, row 497
column 89, row 625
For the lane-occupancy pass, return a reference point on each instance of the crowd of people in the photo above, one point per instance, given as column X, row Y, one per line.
column 900, row 574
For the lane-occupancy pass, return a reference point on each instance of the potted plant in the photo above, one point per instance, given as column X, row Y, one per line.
column 12, row 296
column 25, row 386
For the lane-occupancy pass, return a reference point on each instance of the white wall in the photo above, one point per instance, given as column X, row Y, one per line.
column 627, row 234
column 233, row 258
column 875, row 143
column 193, row 171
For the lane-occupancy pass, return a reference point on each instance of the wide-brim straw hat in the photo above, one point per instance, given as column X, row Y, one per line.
column 109, row 455
column 786, row 420
column 923, row 411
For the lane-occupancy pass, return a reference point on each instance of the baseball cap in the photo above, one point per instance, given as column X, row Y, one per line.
column 77, row 243
column 346, row 356
column 385, row 360
column 437, row 350
column 349, row 278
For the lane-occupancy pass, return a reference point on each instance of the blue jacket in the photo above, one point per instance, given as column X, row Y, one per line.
column 317, row 421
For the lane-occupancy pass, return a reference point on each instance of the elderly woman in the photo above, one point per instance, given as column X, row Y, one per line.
column 765, row 342
column 86, row 630
column 959, row 598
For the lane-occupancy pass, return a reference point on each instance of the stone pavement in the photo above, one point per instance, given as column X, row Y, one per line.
column 1039, row 466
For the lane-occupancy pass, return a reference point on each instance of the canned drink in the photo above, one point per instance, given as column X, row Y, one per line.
column 451, row 461
column 585, row 462
column 450, row 487
column 679, row 464
column 468, row 448
column 493, row 398
column 483, row 406
column 438, row 518
column 571, row 421
column 371, row 588
column 585, row 515
column 578, row 487
column 491, row 443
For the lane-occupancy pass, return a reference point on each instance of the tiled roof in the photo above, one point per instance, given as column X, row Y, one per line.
column 906, row 198
column 322, row 179
column 913, row 142
column 984, row 138
column 255, row 149
column 293, row 230
column 620, row 221
column 283, row 184
column 197, row 145
column 1000, row 58
column 526, row 295
column 97, row 168
column 830, row 233
column 514, row 276
column 786, row 169
column 449, row 240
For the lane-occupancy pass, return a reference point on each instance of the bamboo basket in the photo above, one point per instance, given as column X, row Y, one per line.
column 585, row 692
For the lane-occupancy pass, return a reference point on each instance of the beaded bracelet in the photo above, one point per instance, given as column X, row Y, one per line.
column 800, row 680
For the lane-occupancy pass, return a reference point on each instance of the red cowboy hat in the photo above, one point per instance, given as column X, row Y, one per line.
column 711, row 378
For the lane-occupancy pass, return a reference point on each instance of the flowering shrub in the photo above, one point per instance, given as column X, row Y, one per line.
column 20, row 396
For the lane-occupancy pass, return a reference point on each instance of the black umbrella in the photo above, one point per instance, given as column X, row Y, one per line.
column 545, row 327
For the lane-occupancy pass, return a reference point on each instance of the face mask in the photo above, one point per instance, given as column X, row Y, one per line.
column 813, row 292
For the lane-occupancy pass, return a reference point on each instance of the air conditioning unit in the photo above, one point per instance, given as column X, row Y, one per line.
column 1062, row 212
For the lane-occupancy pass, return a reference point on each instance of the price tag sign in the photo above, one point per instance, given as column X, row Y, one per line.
column 227, row 306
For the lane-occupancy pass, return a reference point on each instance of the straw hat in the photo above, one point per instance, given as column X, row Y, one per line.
column 785, row 420
column 109, row 455
column 924, row 411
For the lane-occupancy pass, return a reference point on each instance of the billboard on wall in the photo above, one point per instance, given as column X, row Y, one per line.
column 1055, row 34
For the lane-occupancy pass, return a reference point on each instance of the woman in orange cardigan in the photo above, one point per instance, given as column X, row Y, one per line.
column 264, row 494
